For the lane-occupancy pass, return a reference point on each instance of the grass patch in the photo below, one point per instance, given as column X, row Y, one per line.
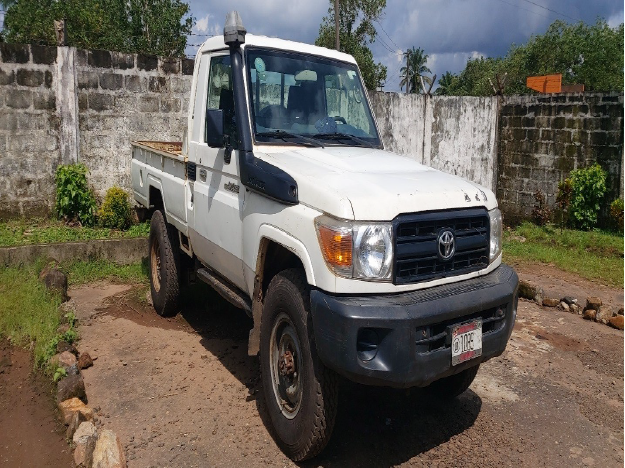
column 87, row 272
column 28, row 312
column 31, row 314
column 46, row 231
column 594, row 255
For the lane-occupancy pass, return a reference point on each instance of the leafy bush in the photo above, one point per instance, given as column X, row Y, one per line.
column 541, row 213
column 74, row 199
column 616, row 214
column 115, row 212
column 588, row 189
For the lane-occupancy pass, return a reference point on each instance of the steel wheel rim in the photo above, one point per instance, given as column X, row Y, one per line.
column 155, row 264
column 286, row 373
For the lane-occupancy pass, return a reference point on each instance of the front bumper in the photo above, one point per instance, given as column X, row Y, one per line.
column 390, row 339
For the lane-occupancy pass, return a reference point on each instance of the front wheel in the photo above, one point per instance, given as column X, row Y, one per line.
column 454, row 385
column 300, row 392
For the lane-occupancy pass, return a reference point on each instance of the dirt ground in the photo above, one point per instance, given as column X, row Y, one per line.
column 183, row 392
column 30, row 434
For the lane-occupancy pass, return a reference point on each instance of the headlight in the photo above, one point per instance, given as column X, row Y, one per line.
column 355, row 250
column 495, row 234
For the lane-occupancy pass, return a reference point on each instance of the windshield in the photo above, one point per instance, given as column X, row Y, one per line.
column 295, row 95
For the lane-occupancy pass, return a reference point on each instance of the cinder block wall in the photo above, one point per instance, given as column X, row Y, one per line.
column 62, row 105
column 29, row 129
column 542, row 138
column 125, row 97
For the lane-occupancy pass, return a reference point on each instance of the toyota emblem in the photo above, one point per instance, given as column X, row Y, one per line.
column 446, row 245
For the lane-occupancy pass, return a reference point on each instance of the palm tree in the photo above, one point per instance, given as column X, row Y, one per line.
column 414, row 69
column 446, row 83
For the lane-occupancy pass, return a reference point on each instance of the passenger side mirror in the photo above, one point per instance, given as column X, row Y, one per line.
column 215, row 128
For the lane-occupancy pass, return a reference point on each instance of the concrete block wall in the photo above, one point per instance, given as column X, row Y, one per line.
column 453, row 134
column 125, row 97
column 542, row 138
column 29, row 129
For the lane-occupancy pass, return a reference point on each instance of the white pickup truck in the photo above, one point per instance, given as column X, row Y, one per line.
column 351, row 260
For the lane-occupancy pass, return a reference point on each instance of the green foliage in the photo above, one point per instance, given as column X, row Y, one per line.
column 86, row 272
column 563, row 201
column 28, row 312
column 588, row 189
column 59, row 373
column 414, row 69
column 591, row 55
column 541, row 213
column 115, row 212
column 45, row 231
column 148, row 26
column 616, row 214
column 595, row 255
column 74, row 199
column 356, row 32
column 446, row 83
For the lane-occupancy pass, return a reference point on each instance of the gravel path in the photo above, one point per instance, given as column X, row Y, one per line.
column 183, row 392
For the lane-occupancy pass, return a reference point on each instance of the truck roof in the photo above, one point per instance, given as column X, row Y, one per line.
column 217, row 43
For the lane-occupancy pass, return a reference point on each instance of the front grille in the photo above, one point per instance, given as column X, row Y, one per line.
column 416, row 244
column 438, row 336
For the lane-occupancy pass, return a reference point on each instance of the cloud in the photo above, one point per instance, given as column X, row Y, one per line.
column 450, row 31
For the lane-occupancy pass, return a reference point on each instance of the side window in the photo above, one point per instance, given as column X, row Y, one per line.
column 220, row 95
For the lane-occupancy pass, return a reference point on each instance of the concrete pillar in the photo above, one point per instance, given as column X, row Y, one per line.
column 67, row 104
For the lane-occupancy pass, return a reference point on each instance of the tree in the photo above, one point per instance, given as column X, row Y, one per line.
column 591, row 55
column 148, row 26
column 356, row 32
column 446, row 84
column 415, row 68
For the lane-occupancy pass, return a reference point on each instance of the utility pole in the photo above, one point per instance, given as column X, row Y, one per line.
column 336, row 25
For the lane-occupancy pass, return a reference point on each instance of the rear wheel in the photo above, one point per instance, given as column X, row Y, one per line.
column 164, row 260
column 454, row 385
column 300, row 392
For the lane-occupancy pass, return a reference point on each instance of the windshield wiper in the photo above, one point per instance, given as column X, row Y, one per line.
column 287, row 136
column 344, row 136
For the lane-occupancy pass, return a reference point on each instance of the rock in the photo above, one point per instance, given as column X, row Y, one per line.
column 604, row 313
column 565, row 306
column 575, row 309
column 63, row 328
column 72, row 386
column 84, row 361
column 617, row 322
column 63, row 346
column 593, row 303
column 569, row 300
column 64, row 360
column 531, row 292
column 589, row 314
column 76, row 419
column 74, row 405
column 73, row 370
column 108, row 452
column 620, row 311
column 55, row 280
column 85, row 440
column 550, row 302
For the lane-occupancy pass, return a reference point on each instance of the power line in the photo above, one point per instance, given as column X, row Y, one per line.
column 521, row 8
column 553, row 11
column 390, row 38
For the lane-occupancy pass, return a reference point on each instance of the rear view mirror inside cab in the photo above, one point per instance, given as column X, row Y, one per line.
column 306, row 75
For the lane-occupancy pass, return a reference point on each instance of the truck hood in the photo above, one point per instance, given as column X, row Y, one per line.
column 367, row 184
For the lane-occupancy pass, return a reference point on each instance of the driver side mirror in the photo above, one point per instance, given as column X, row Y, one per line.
column 215, row 128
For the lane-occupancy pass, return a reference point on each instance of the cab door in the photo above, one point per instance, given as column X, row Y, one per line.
column 218, row 195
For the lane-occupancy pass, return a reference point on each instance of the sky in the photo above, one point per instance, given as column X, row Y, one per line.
column 450, row 31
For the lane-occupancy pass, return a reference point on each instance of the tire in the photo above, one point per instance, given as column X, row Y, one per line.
column 306, row 389
column 450, row 387
column 164, row 262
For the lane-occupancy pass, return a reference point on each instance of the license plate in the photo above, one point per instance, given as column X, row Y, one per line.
column 466, row 342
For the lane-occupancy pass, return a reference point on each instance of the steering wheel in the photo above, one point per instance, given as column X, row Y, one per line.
column 338, row 118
